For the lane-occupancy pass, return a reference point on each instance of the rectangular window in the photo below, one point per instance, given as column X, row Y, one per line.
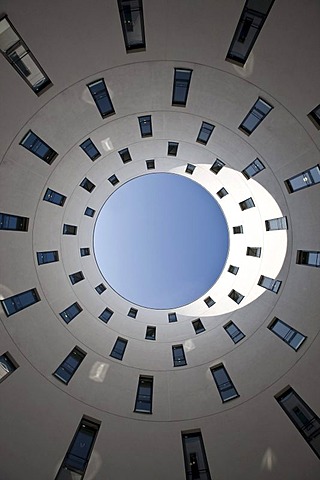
column 20, row 301
column 277, row 224
column 217, row 166
column 75, row 462
column 100, row 288
column 68, row 367
column 47, row 257
column 302, row 416
column 144, row 395
column 257, row 113
column 190, row 168
column 205, row 133
column 85, row 251
column 89, row 212
column 314, row 116
column 255, row 167
column 113, row 180
column 119, row 348
column 253, row 251
column 76, row 277
column 172, row 317
column 307, row 257
column 150, row 333
column 269, row 283
column 195, row 459
column 150, row 164
column 19, row 56
column 179, row 358
column 303, row 180
column 209, row 302
column 87, row 185
column 7, row 366
column 131, row 16
column 71, row 312
column 250, row 24
column 224, row 384
column 145, row 126
column 222, row 192
column 232, row 269
column 198, row 326
column 69, row 229
column 13, row 222
column 173, row 148
column 54, row 197
column 132, row 312
column 38, row 147
column 181, row 85
column 234, row 332
column 125, row 155
column 236, row 296
column 101, row 97
column 106, row 315
column 248, row 203
column 90, row 149
column 288, row 334
column 238, row 229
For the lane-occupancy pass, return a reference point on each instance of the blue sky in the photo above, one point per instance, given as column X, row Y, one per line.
column 161, row 240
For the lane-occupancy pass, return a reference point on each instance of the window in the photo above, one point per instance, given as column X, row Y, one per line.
column 277, row 224
column 144, row 395
column 236, row 296
column 234, row 332
column 76, row 277
column 54, row 197
column 150, row 333
column 145, row 126
column 113, row 180
column 190, row 168
column 302, row 416
column 69, row 229
column 224, row 384
column 13, row 222
column 173, row 148
column 269, row 284
column 307, row 257
column 172, row 317
column 288, row 334
column 106, row 315
column 195, row 459
column 314, row 116
column 89, row 212
column 198, row 326
column 19, row 56
column 232, row 269
column 238, row 229
column 125, row 155
column 181, row 84
column 209, row 302
column 205, row 133
column 150, row 164
column 303, row 180
column 100, row 288
column 78, row 455
column 131, row 17
column 217, row 166
column 87, row 185
column 7, row 365
column 47, row 257
column 101, row 97
column 85, row 251
column 248, row 203
column 222, row 192
column 119, row 348
column 68, row 367
column 250, row 24
column 179, row 358
column 20, row 301
column 38, row 147
column 255, row 167
column 132, row 312
column 254, row 251
column 90, row 149
column 257, row 113
column 71, row 312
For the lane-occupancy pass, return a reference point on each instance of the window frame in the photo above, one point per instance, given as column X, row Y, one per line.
column 49, row 157
column 8, row 364
column 172, row 149
column 256, row 167
column 172, row 317
column 7, row 218
column 256, row 113
column 254, row 252
column 117, row 352
column 113, row 180
column 315, row 117
column 145, row 120
column 65, row 366
column 301, row 254
column 71, row 312
column 205, row 133
column 198, row 326
column 100, row 288
column 236, row 296
column 219, row 386
column 274, row 283
column 56, row 198
column 190, row 168
column 148, row 396
column 15, row 303
column 150, row 164
column 134, row 47
column 289, row 336
column 76, row 277
column 69, row 229
column 106, row 315
column 209, row 301
column 85, row 251
column 247, row 204
column 178, row 360
column 185, row 85
column 151, row 332
column 99, row 95
column 133, row 312
column 274, row 224
column 217, row 166
column 235, row 337
column 306, row 176
column 90, row 147
column 44, row 258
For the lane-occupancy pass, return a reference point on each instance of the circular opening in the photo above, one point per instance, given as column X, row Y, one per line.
column 161, row 241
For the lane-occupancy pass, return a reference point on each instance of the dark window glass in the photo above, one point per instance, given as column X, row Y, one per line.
column 181, row 84
column 209, row 302
column 7, row 366
column 195, row 459
column 76, row 277
column 89, row 212
column 236, row 296
column 71, row 312
column 288, row 334
column 224, row 384
column 84, row 251
column 132, row 312
column 38, row 147
column 217, row 166
column 232, row 269
column 47, row 257
column 303, row 180
column 314, row 116
column 144, row 395
column 172, row 317
column 173, row 148
column 205, row 133
column 119, row 348
column 269, row 283
column 257, row 113
column 238, row 229
column 113, row 180
column 69, row 229
column 248, row 203
column 87, row 185
column 100, row 288
column 150, row 164
column 254, row 251
column 145, row 126
column 66, row 370
column 54, row 197
column 179, row 358
column 190, row 168
column 234, row 332
column 20, row 301
column 125, row 155
column 150, row 333
column 277, row 224
column 13, row 222
column 222, row 192
column 198, row 326
column 131, row 16
column 90, row 149
column 307, row 257
column 106, row 315
column 101, row 98
column 255, row 167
